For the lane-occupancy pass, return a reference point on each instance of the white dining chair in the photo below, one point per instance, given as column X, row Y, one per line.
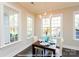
column 59, row 50
column 39, row 51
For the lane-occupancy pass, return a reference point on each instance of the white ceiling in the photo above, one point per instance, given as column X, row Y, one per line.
column 39, row 7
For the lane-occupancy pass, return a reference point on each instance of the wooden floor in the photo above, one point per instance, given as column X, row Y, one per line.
column 66, row 53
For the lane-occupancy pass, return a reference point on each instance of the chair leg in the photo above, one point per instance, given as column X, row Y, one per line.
column 46, row 53
column 36, row 52
column 43, row 53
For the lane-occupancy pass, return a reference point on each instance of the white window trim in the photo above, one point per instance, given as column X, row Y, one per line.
column 42, row 23
column 32, row 26
column 53, row 15
column 74, row 32
column 19, row 36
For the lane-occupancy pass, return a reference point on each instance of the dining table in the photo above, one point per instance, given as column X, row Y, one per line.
column 45, row 46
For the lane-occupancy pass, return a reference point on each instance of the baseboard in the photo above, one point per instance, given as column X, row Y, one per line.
column 71, row 47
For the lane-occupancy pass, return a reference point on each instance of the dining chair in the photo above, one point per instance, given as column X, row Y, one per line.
column 39, row 51
column 61, row 46
column 59, row 50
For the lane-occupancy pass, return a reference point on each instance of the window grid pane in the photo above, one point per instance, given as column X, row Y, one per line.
column 76, row 26
column 29, row 27
column 53, row 23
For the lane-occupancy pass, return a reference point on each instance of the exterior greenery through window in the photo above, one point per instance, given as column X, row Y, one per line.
column 10, row 21
column 11, row 24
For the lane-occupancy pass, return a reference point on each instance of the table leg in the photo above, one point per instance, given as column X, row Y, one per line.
column 33, row 50
column 54, row 53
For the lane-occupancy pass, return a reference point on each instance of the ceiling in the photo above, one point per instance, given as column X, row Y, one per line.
column 39, row 7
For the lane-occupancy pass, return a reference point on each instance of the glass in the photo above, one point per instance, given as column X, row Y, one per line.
column 29, row 27
column 77, row 26
column 10, row 24
column 54, row 24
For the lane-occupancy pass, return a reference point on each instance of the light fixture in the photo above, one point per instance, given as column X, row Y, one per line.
column 40, row 16
column 45, row 13
column 32, row 3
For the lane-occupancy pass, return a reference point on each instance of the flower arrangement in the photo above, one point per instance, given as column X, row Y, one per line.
column 47, row 30
column 46, row 37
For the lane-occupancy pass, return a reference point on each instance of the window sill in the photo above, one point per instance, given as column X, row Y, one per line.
column 10, row 44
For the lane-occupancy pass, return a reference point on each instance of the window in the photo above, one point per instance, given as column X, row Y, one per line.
column 13, row 24
column 45, row 25
column 76, row 25
column 29, row 27
column 56, row 26
column 10, row 25
column 53, row 24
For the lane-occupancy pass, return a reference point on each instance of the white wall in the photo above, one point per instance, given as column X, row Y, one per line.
column 13, row 49
column 68, row 27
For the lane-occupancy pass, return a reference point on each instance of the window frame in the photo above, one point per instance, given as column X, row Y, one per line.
column 2, row 44
column 61, row 23
column 54, row 15
column 32, row 27
column 74, row 31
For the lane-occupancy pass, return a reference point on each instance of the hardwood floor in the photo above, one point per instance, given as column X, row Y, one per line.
column 66, row 53
column 70, row 53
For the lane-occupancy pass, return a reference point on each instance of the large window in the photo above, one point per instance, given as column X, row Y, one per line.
column 56, row 26
column 29, row 27
column 53, row 25
column 45, row 25
column 76, row 34
column 9, row 25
